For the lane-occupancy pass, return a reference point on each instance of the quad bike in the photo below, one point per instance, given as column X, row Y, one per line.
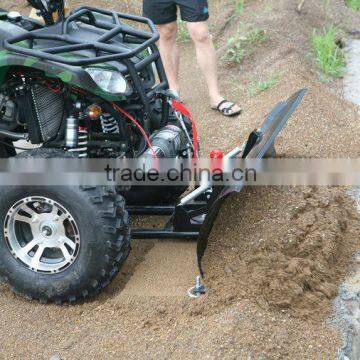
column 92, row 85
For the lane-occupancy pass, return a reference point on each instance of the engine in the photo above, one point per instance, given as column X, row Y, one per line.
column 8, row 113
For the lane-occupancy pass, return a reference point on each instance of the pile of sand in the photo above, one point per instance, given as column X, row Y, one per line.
column 285, row 248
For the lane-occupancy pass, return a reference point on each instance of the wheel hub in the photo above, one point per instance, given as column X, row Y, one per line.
column 50, row 234
column 46, row 231
column 42, row 234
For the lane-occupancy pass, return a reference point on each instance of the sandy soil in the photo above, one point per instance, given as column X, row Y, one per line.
column 250, row 312
column 290, row 260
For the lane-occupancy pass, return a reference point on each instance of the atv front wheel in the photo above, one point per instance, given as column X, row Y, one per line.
column 62, row 243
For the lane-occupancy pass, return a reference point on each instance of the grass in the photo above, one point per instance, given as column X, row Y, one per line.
column 183, row 34
column 239, row 44
column 327, row 9
column 353, row 4
column 256, row 36
column 239, row 7
column 259, row 86
column 329, row 56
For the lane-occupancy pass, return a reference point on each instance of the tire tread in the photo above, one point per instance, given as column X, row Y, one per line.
column 111, row 209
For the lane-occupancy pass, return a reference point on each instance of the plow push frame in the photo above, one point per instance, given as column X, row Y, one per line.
column 193, row 217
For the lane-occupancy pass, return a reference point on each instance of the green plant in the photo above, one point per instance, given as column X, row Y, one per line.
column 234, row 51
column 239, row 7
column 327, row 5
column 183, row 34
column 329, row 56
column 256, row 36
column 353, row 4
column 259, row 86
column 236, row 45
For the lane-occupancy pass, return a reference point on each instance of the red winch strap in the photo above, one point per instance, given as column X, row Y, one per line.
column 183, row 110
column 137, row 124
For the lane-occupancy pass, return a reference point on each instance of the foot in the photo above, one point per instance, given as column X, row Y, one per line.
column 227, row 108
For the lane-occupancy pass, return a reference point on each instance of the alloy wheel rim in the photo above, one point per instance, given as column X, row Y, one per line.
column 42, row 234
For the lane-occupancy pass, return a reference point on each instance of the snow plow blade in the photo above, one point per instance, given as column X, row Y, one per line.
column 260, row 144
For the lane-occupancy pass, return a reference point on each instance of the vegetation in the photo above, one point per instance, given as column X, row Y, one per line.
column 259, row 86
column 183, row 34
column 239, row 7
column 239, row 44
column 329, row 56
column 235, row 52
column 353, row 4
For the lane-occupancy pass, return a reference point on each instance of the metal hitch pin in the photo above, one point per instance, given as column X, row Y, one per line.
column 198, row 289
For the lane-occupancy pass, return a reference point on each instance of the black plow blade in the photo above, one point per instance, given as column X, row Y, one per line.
column 260, row 144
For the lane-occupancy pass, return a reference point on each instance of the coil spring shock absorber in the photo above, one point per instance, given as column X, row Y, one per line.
column 109, row 124
column 81, row 149
column 76, row 137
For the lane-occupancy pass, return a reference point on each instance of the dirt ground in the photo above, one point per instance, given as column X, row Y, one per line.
column 276, row 255
column 290, row 260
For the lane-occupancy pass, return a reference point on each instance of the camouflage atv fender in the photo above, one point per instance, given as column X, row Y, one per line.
column 259, row 144
column 71, row 75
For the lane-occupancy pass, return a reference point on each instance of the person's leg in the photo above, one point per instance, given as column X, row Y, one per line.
column 206, row 57
column 163, row 13
column 170, row 53
column 196, row 14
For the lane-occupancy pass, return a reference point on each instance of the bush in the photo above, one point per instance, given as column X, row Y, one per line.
column 329, row 56
column 236, row 45
column 353, row 4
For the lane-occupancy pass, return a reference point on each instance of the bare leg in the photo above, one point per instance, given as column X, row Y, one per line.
column 206, row 56
column 170, row 53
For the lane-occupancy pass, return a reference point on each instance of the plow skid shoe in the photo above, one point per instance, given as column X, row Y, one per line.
column 260, row 144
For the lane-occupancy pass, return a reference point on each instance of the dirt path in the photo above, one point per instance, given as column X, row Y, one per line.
column 145, row 313
column 169, row 269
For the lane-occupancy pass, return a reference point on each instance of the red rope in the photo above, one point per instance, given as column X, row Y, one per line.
column 182, row 109
column 195, row 137
column 132, row 119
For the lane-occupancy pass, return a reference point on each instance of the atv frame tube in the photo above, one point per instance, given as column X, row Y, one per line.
column 112, row 30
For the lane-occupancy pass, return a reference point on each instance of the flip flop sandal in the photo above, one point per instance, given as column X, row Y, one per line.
column 227, row 111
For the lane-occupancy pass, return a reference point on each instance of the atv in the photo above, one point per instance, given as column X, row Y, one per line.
column 91, row 84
